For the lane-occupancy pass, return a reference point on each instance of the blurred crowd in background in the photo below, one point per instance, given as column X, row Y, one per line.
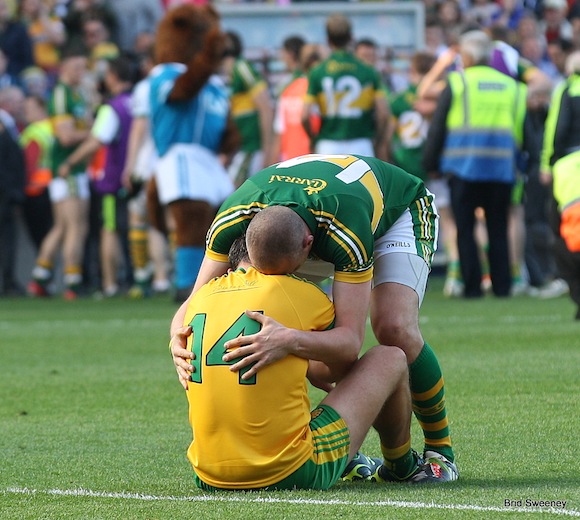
column 89, row 51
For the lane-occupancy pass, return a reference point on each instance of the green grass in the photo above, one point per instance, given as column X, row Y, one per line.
column 93, row 423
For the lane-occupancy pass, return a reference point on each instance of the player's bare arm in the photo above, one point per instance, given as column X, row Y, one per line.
column 382, row 114
column 305, row 118
column 181, row 356
column 320, row 375
column 338, row 347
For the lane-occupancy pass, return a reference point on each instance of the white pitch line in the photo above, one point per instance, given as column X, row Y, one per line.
column 248, row 499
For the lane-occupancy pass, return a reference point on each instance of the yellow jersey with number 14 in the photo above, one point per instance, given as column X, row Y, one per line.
column 250, row 433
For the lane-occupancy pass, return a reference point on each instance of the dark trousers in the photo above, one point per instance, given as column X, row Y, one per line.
column 494, row 198
column 37, row 213
column 7, row 244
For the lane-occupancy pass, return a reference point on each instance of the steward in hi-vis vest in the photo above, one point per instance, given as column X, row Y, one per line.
column 473, row 140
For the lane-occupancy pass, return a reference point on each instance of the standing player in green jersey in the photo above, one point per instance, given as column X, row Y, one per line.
column 350, row 97
column 252, row 111
column 409, row 118
column 377, row 225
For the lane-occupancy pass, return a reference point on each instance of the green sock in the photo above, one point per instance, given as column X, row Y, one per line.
column 400, row 465
column 516, row 273
column 453, row 270
column 428, row 395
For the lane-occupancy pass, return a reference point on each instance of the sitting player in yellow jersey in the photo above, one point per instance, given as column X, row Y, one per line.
column 256, row 431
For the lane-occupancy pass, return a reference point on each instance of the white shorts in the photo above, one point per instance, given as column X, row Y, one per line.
column 362, row 146
column 189, row 171
column 62, row 188
column 397, row 259
column 440, row 189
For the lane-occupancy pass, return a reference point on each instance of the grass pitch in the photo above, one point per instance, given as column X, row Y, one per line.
column 93, row 423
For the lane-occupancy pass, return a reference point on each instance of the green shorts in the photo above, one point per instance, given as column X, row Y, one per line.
column 331, row 444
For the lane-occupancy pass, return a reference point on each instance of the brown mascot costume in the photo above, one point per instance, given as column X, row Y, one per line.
column 191, row 128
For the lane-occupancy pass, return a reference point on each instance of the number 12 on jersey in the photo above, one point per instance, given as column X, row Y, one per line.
column 242, row 326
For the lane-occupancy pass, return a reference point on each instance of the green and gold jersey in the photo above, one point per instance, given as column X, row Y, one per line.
column 410, row 132
column 250, row 433
column 345, row 89
column 245, row 83
column 64, row 103
column 347, row 201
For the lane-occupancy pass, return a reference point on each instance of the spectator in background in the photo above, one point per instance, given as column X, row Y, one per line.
column 35, row 82
column 354, row 123
column 137, row 21
column 46, row 32
column 78, row 10
column 449, row 15
column 559, row 165
column 479, row 154
column 99, row 44
column 574, row 18
column 540, row 240
column 435, row 40
column 6, row 79
column 553, row 24
column 528, row 26
column 12, row 109
column 290, row 139
column 147, row 244
column 36, row 141
column 512, row 11
column 100, row 48
column 69, row 193
column 507, row 59
column 367, row 51
column 290, row 55
column 558, row 52
column 534, row 49
column 14, row 42
column 483, row 12
column 252, row 111
column 111, row 130
column 12, row 180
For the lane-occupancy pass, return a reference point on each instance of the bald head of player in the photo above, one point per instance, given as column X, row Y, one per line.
column 278, row 240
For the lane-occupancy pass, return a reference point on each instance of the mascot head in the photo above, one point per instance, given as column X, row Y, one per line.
column 186, row 31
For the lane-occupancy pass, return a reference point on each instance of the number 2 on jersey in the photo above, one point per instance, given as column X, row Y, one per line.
column 243, row 326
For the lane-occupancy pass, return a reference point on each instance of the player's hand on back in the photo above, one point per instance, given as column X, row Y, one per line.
column 272, row 343
column 181, row 356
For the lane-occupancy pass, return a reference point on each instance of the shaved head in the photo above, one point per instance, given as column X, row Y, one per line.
column 278, row 240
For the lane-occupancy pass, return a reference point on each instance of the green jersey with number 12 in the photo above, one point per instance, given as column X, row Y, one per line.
column 345, row 89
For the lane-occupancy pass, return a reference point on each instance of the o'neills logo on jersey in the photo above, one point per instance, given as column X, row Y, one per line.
column 311, row 185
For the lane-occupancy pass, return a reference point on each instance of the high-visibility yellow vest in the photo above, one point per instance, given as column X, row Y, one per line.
column 484, row 125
